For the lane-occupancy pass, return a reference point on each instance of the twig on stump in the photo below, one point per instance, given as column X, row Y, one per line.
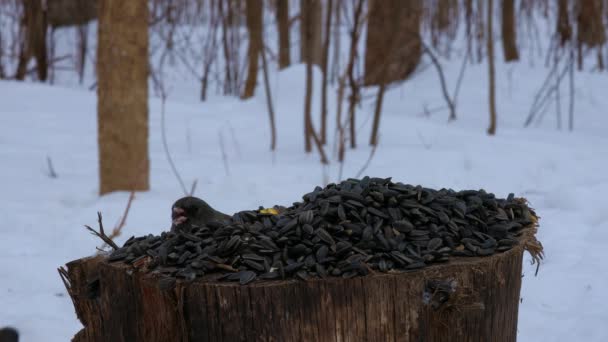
column 101, row 234
column 123, row 220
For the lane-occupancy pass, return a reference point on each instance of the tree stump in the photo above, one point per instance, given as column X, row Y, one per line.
column 465, row 299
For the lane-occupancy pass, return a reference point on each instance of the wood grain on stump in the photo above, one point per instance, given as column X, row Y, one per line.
column 115, row 303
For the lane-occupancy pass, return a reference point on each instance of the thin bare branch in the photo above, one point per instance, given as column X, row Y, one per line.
column 163, row 98
column 51, row 169
column 369, row 159
column 273, row 127
column 193, row 187
column 444, row 88
column 123, row 220
column 101, row 233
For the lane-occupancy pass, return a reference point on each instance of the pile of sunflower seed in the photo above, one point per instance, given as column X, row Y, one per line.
column 344, row 230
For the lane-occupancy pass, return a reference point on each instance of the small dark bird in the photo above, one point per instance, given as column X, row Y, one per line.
column 192, row 211
column 9, row 334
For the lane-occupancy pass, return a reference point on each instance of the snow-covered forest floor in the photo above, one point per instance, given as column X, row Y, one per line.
column 224, row 145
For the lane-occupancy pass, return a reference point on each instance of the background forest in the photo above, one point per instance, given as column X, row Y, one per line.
column 124, row 106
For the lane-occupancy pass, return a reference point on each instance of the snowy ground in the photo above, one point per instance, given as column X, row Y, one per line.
column 561, row 173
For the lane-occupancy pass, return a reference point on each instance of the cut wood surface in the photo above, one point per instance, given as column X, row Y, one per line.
column 466, row 299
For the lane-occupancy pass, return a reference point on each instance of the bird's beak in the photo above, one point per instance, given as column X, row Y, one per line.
column 178, row 216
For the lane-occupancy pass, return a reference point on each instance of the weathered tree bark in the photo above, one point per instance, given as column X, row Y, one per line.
column 256, row 44
column 509, row 35
column 393, row 45
column 311, row 19
column 122, row 95
column 467, row 299
column 491, row 72
column 35, row 27
column 282, row 15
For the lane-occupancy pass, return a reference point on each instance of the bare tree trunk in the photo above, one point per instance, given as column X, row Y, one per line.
column 283, row 28
column 373, row 141
column 564, row 27
column 2, row 72
column 354, row 86
column 393, row 45
column 307, row 27
column 491, row 73
column 590, row 27
column 579, row 50
column 335, row 64
column 82, row 38
column 35, row 40
column 226, row 29
column 392, row 29
column 231, row 45
column 339, row 125
column 479, row 30
column 210, row 49
column 325, row 76
column 311, row 18
column 254, row 26
column 51, row 56
column 468, row 17
column 509, row 34
column 122, row 91
column 273, row 126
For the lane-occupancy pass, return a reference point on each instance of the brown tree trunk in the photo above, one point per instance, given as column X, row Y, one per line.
column 392, row 48
column 122, row 95
column 391, row 17
column 479, row 29
column 468, row 17
column 2, row 72
column 82, row 32
column 283, row 28
column 491, row 72
column 325, row 67
column 309, row 76
column 353, row 98
column 467, row 299
column 65, row 13
column 589, row 21
column 35, row 27
column 311, row 12
column 373, row 140
column 256, row 43
column 335, row 64
column 273, row 126
column 229, row 13
column 509, row 33
column 564, row 28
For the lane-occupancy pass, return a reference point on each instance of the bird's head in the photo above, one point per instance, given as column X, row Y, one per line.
column 192, row 211
column 187, row 208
